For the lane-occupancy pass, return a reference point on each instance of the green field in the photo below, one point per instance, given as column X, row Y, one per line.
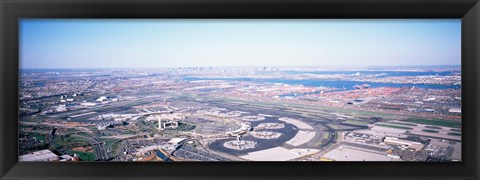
column 85, row 156
column 20, row 126
column 315, row 108
column 454, row 134
column 39, row 137
column 34, row 118
column 326, row 135
column 400, row 123
column 354, row 122
column 443, row 123
column 338, row 127
column 393, row 126
column 75, row 139
column 111, row 144
column 429, row 130
column 115, row 147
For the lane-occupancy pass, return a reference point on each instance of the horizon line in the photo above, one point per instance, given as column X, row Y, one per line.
column 237, row 66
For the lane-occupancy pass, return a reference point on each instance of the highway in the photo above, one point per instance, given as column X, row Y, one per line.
column 101, row 152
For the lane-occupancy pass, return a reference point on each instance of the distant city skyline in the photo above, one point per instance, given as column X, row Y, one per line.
column 68, row 43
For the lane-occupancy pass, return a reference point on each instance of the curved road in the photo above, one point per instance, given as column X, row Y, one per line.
column 101, row 152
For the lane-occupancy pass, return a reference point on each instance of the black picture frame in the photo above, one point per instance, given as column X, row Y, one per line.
column 467, row 10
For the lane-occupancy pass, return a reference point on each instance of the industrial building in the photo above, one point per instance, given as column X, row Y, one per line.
column 43, row 155
column 176, row 142
column 167, row 124
column 404, row 143
column 168, row 121
column 46, row 155
column 102, row 98
column 105, row 125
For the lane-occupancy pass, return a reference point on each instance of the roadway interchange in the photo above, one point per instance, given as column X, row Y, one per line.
column 101, row 153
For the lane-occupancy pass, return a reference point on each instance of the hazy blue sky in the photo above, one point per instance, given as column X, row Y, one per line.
column 71, row 43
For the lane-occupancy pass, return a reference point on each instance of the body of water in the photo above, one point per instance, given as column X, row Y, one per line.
column 162, row 156
column 347, row 85
column 379, row 73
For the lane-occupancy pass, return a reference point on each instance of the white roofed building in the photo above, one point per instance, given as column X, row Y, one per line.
column 42, row 155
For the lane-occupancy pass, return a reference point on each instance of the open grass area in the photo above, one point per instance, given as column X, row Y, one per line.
column 297, row 111
column 433, row 127
column 83, row 134
column 34, row 118
column 338, row 137
column 39, row 137
column 111, row 144
column 339, row 127
column 345, row 111
column 85, row 156
column 257, row 107
column 115, row 147
column 71, row 139
column 307, row 113
column 354, row 122
column 434, row 122
column 455, row 134
column 429, row 130
column 20, row 126
column 326, row 135
column 401, row 123
column 394, row 126
column 456, row 130
column 316, row 108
